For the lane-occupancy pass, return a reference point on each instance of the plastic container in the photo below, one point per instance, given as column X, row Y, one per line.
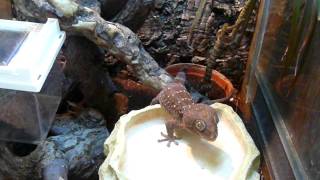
column 30, row 83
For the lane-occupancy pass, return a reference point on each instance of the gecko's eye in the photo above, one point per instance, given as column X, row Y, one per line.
column 200, row 125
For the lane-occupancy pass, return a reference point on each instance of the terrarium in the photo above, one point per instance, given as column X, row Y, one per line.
column 30, row 80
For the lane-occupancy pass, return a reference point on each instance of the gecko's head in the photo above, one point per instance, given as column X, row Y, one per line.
column 202, row 120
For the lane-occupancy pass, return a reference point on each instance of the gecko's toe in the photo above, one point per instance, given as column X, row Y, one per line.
column 164, row 135
column 169, row 139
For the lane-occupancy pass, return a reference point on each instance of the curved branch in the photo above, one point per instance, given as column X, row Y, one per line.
column 119, row 40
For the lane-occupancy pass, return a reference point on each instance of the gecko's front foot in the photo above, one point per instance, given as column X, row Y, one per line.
column 169, row 139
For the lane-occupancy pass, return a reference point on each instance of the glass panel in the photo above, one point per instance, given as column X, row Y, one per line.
column 26, row 117
column 288, row 72
column 10, row 41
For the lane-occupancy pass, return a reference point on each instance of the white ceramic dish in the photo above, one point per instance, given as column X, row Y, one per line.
column 133, row 151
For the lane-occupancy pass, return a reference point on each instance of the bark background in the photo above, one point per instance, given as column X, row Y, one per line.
column 166, row 31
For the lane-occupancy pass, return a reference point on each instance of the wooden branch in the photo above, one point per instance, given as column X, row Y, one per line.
column 119, row 40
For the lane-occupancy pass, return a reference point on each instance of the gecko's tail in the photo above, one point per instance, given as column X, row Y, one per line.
column 181, row 76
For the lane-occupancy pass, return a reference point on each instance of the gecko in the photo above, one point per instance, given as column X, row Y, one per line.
column 197, row 118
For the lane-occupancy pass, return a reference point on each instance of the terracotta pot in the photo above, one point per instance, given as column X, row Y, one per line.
column 221, row 86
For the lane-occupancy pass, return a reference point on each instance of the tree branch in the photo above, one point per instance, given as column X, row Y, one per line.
column 117, row 39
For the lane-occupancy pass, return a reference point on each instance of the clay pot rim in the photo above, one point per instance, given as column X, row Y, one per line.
column 199, row 70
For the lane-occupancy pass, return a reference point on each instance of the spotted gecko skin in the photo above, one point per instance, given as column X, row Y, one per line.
column 175, row 99
column 197, row 118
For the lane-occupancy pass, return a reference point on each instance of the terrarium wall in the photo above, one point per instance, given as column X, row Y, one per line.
column 287, row 69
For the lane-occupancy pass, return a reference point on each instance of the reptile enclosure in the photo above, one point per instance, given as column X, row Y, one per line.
column 278, row 97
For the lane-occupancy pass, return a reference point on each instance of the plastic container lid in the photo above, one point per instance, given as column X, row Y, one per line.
column 27, row 53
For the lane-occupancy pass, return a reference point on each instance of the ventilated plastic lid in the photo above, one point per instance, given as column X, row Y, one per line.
column 27, row 53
